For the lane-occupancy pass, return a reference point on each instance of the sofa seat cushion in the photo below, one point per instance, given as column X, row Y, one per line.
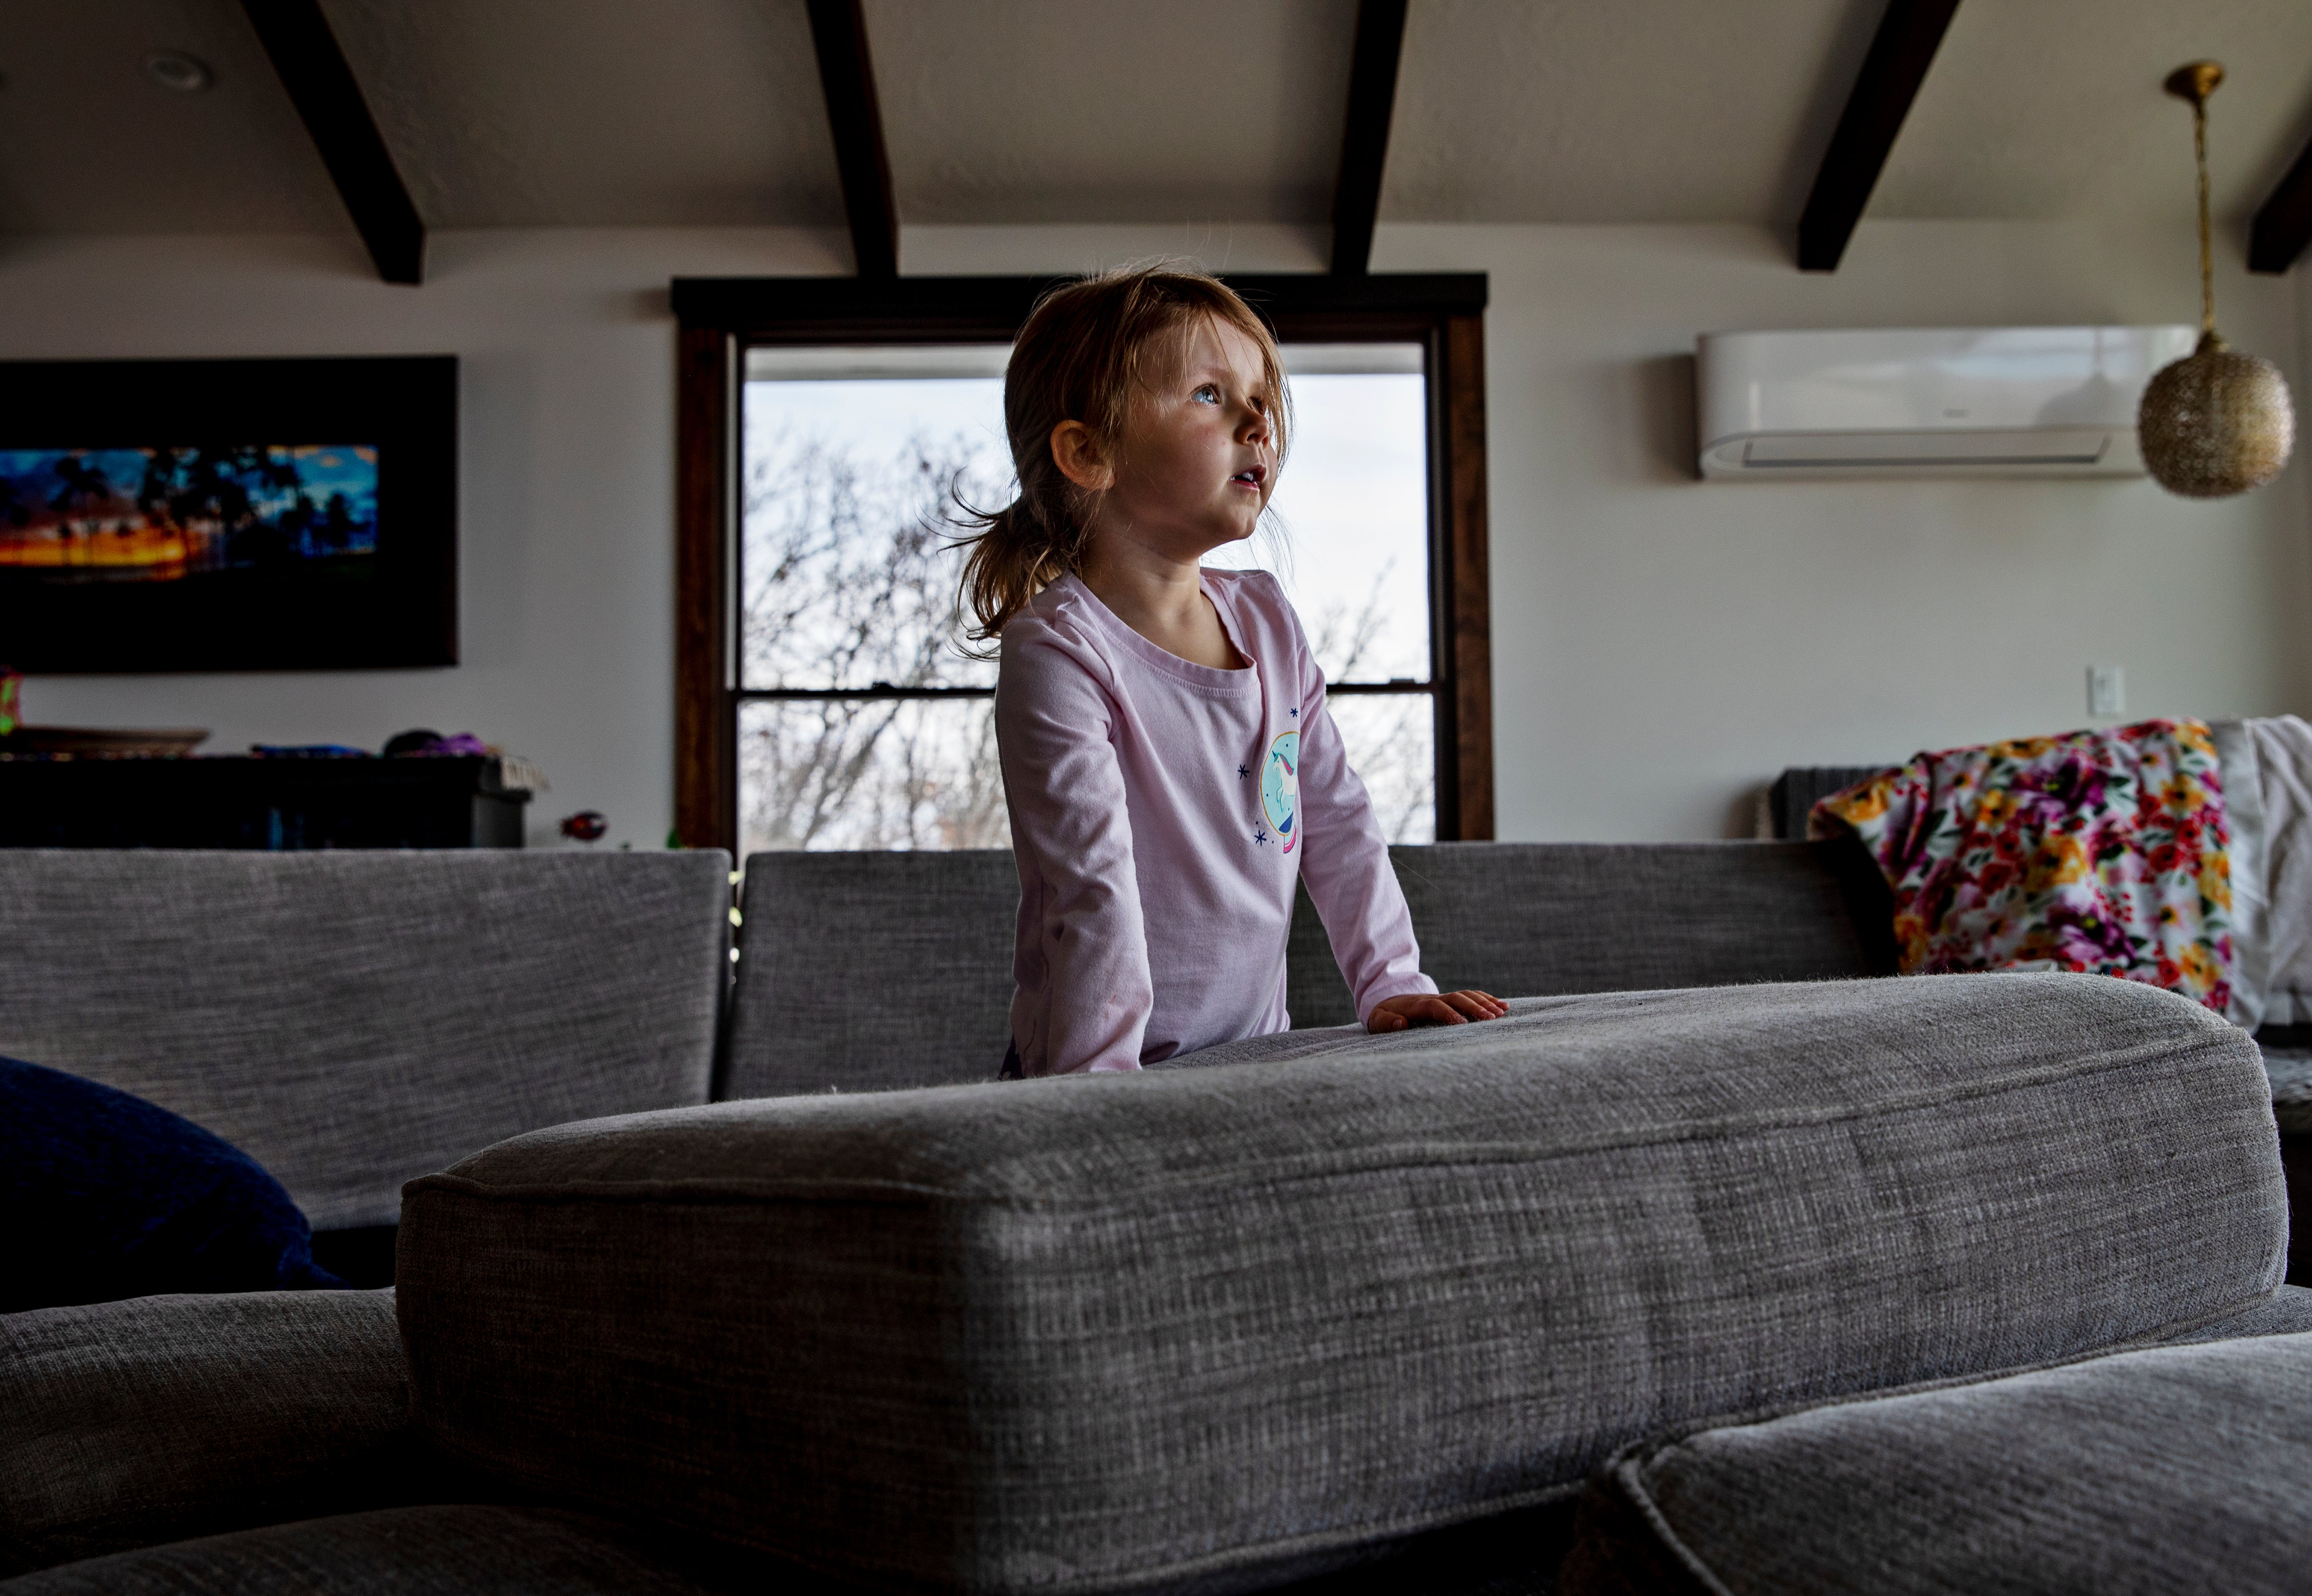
column 439, row 1551
column 132, row 1423
column 2179, row 1469
column 1067, row 1335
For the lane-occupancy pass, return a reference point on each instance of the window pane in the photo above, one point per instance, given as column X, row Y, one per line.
column 870, row 773
column 1391, row 739
column 852, row 463
column 847, row 576
column 1351, row 540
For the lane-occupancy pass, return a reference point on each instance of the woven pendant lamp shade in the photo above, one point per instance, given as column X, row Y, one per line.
column 2216, row 422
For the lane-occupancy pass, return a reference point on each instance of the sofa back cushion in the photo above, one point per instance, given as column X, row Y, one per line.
column 870, row 970
column 352, row 1020
column 1536, row 919
column 1063, row 1335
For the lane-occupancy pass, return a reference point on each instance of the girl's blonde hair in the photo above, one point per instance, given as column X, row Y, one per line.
column 1080, row 357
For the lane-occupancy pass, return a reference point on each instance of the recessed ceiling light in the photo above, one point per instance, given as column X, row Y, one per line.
column 174, row 69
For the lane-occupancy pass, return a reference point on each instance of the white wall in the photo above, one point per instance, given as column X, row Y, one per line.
column 1661, row 647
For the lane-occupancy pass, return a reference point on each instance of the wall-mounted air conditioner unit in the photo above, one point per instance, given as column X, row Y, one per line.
column 2010, row 401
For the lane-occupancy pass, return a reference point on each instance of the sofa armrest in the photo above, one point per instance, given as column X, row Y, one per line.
column 129, row 1424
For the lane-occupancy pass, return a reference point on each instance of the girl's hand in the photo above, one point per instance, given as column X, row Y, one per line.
column 1443, row 1008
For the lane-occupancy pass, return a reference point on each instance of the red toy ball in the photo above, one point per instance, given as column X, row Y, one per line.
column 587, row 826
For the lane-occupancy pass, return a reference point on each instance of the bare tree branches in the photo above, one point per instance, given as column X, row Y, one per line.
column 849, row 581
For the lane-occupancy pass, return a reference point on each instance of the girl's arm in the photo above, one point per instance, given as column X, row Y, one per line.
column 1074, row 837
column 1345, row 865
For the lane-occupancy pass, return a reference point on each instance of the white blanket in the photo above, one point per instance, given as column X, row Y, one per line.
column 2267, row 769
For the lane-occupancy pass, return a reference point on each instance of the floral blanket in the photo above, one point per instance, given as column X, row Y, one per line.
column 2101, row 851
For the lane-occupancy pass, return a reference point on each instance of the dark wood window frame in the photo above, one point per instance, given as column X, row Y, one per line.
column 721, row 317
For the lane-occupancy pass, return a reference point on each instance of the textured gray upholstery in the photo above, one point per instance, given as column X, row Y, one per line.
column 2292, row 1088
column 1528, row 919
column 409, row 1551
column 351, row 1020
column 2181, row 1468
column 862, row 971
column 2287, row 1312
column 128, row 1424
column 1049, row 1334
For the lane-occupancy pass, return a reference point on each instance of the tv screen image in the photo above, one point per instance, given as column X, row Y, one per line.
column 286, row 513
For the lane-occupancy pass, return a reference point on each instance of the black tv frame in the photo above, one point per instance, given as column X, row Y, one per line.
column 406, row 615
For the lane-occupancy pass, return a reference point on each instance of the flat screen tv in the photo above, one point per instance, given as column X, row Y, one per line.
column 228, row 515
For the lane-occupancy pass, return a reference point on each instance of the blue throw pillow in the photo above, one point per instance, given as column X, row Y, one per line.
column 105, row 1196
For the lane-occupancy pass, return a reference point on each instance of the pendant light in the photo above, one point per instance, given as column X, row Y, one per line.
column 2216, row 422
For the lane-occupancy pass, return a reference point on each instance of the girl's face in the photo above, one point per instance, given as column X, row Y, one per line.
column 1199, row 459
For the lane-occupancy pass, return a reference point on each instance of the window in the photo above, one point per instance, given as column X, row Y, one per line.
column 823, row 701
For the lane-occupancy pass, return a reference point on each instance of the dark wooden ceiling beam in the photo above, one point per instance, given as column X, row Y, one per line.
column 1364, row 135
column 836, row 309
column 304, row 53
column 2284, row 225
column 1904, row 47
column 838, row 31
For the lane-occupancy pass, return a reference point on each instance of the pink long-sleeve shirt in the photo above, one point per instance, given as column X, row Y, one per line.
column 1161, row 811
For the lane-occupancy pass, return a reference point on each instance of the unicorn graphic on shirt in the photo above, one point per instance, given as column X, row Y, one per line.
column 1280, row 788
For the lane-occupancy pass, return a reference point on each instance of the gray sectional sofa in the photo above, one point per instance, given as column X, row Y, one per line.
column 716, row 1284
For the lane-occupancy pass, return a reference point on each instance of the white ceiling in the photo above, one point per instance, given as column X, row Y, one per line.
column 1112, row 111
column 88, row 144
column 708, row 112
column 2054, row 108
column 1636, row 110
column 558, row 113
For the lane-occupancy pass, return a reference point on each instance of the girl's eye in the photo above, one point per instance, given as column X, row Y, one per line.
column 1210, row 394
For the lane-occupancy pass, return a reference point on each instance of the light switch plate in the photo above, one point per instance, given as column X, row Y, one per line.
column 2106, row 690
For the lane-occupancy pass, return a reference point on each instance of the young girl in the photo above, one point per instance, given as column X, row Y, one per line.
column 1168, row 758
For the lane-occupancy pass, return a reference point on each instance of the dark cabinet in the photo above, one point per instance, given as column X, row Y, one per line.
column 272, row 804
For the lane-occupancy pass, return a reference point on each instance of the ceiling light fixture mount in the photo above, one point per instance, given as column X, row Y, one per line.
column 2216, row 422
column 174, row 69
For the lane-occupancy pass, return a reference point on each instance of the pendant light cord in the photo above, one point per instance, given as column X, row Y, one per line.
column 2207, row 255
